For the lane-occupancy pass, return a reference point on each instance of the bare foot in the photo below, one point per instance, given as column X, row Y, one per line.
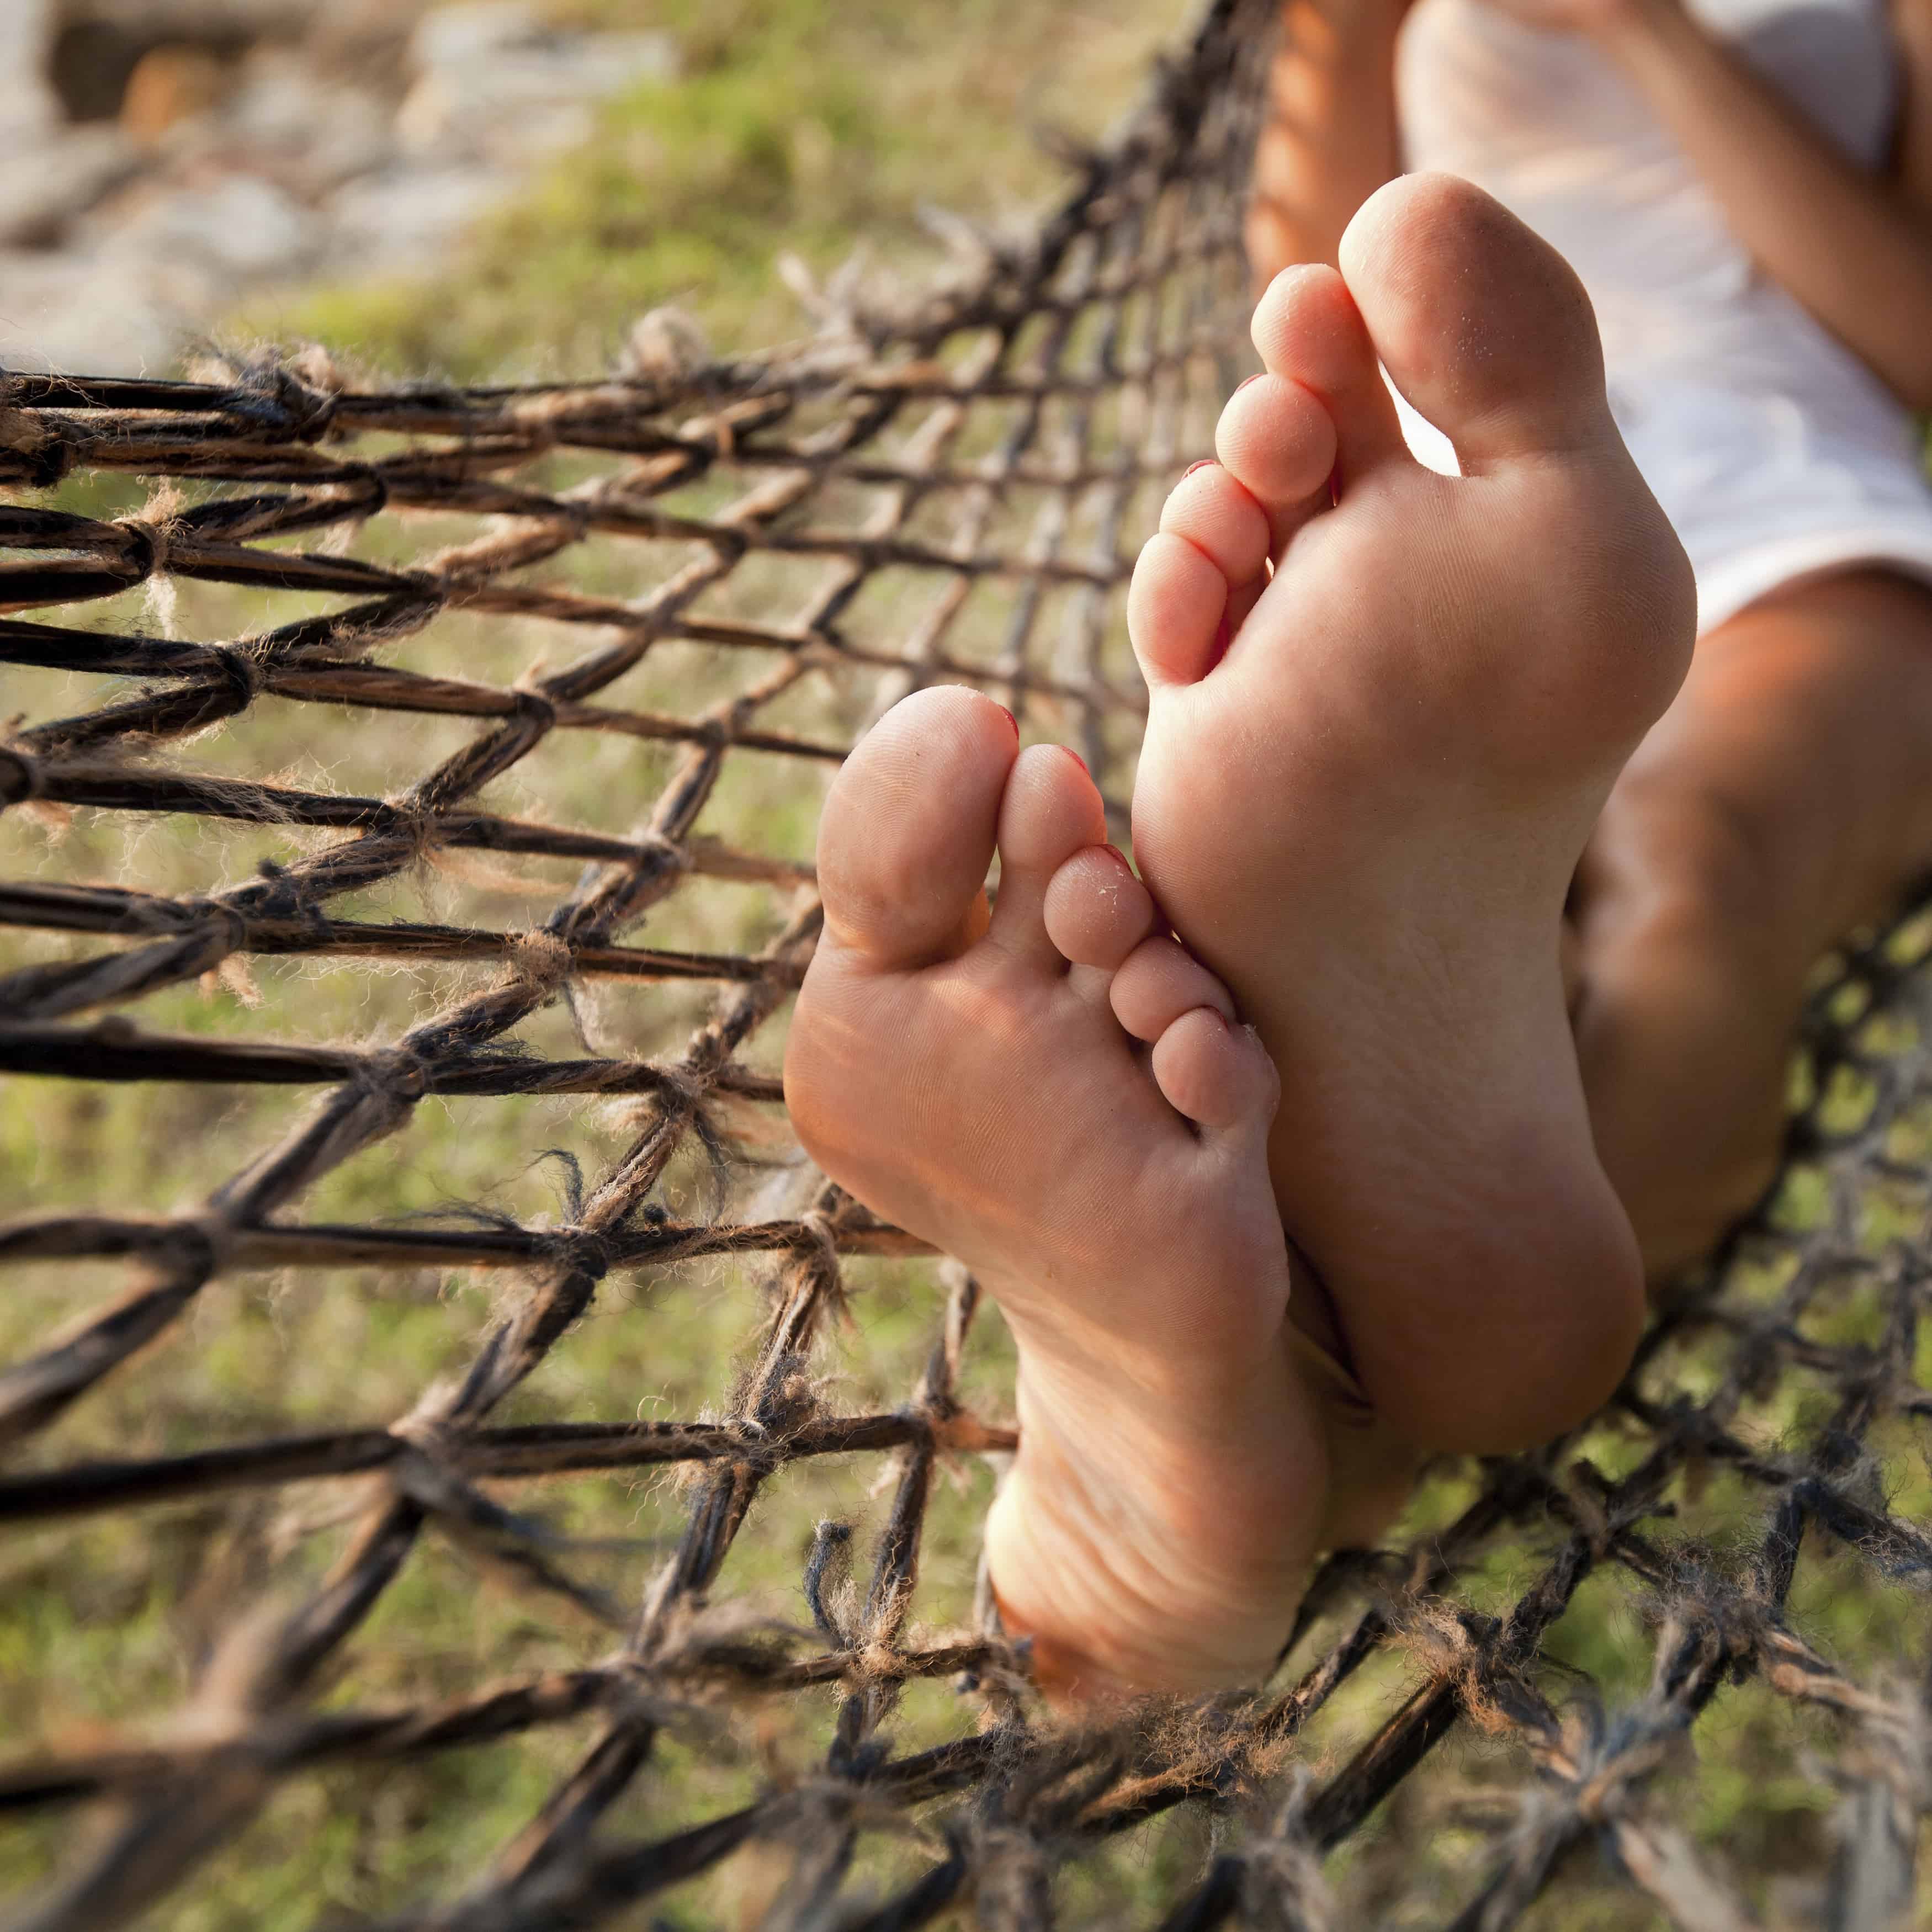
column 983, row 1082
column 1364, row 812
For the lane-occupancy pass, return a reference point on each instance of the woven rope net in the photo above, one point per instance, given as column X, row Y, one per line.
column 392, row 757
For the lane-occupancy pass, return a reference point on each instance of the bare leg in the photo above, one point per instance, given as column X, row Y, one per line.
column 1329, row 139
column 1785, row 797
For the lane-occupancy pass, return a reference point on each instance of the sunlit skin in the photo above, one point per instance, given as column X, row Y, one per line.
column 1365, row 815
column 1060, row 1097
column 1525, row 929
column 977, row 1088
column 1786, row 796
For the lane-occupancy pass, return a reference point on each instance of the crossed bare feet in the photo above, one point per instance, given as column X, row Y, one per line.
column 1386, row 708
column 1057, row 1094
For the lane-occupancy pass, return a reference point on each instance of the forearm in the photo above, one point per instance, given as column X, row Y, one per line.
column 1331, row 138
column 1848, row 246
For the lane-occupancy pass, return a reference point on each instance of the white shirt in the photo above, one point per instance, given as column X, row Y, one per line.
column 1775, row 452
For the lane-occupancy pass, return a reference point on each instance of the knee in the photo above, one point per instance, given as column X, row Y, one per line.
column 1673, row 855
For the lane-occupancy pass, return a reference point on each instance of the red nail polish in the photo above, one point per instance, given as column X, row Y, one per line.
column 1011, row 720
column 1245, row 380
column 1206, row 462
column 1078, row 759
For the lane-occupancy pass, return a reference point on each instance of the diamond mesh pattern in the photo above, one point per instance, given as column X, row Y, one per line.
column 631, row 626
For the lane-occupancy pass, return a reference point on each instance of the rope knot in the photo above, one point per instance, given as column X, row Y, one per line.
column 30, row 451
column 214, row 918
column 296, row 400
column 541, row 961
column 197, row 1246
column 20, row 775
column 241, row 671
column 680, row 1085
column 532, row 707
column 398, row 1072
column 148, row 542
column 283, row 895
column 816, row 1225
column 582, row 1250
column 422, row 831
column 669, row 854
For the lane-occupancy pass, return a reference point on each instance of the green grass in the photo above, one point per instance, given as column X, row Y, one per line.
column 811, row 128
column 814, row 127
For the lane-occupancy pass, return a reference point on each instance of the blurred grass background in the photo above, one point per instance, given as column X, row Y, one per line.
column 808, row 126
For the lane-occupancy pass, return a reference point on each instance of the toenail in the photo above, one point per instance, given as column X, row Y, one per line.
column 1011, row 720
column 1206, row 462
column 1078, row 759
column 1245, row 380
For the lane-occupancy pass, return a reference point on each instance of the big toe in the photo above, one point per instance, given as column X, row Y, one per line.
column 907, row 831
column 1480, row 323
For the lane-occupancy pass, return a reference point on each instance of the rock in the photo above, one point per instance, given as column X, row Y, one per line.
column 442, row 119
column 170, row 84
column 45, row 189
column 194, row 22
column 366, row 41
column 29, row 108
column 102, row 43
column 318, row 133
column 62, row 312
column 241, row 229
column 405, row 216
column 474, row 30
column 493, row 83
column 259, row 140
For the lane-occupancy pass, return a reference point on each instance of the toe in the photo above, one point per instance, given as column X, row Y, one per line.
column 1278, row 440
column 1221, row 519
column 1481, row 324
column 1177, row 610
column 1224, row 521
column 1097, row 911
column 907, row 831
column 1050, row 810
column 1158, row 983
column 1309, row 331
column 1217, row 1074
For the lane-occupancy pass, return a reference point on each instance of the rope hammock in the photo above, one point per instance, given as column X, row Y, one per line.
column 496, row 622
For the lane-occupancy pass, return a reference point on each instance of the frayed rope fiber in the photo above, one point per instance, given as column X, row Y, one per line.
column 1611, row 1678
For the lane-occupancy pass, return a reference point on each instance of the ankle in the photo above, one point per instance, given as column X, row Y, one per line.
column 1157, row 1400
column 1102, row 1561
column 1179, row 1471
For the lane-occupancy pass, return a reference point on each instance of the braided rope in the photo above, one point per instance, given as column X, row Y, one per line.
column 953, row 492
